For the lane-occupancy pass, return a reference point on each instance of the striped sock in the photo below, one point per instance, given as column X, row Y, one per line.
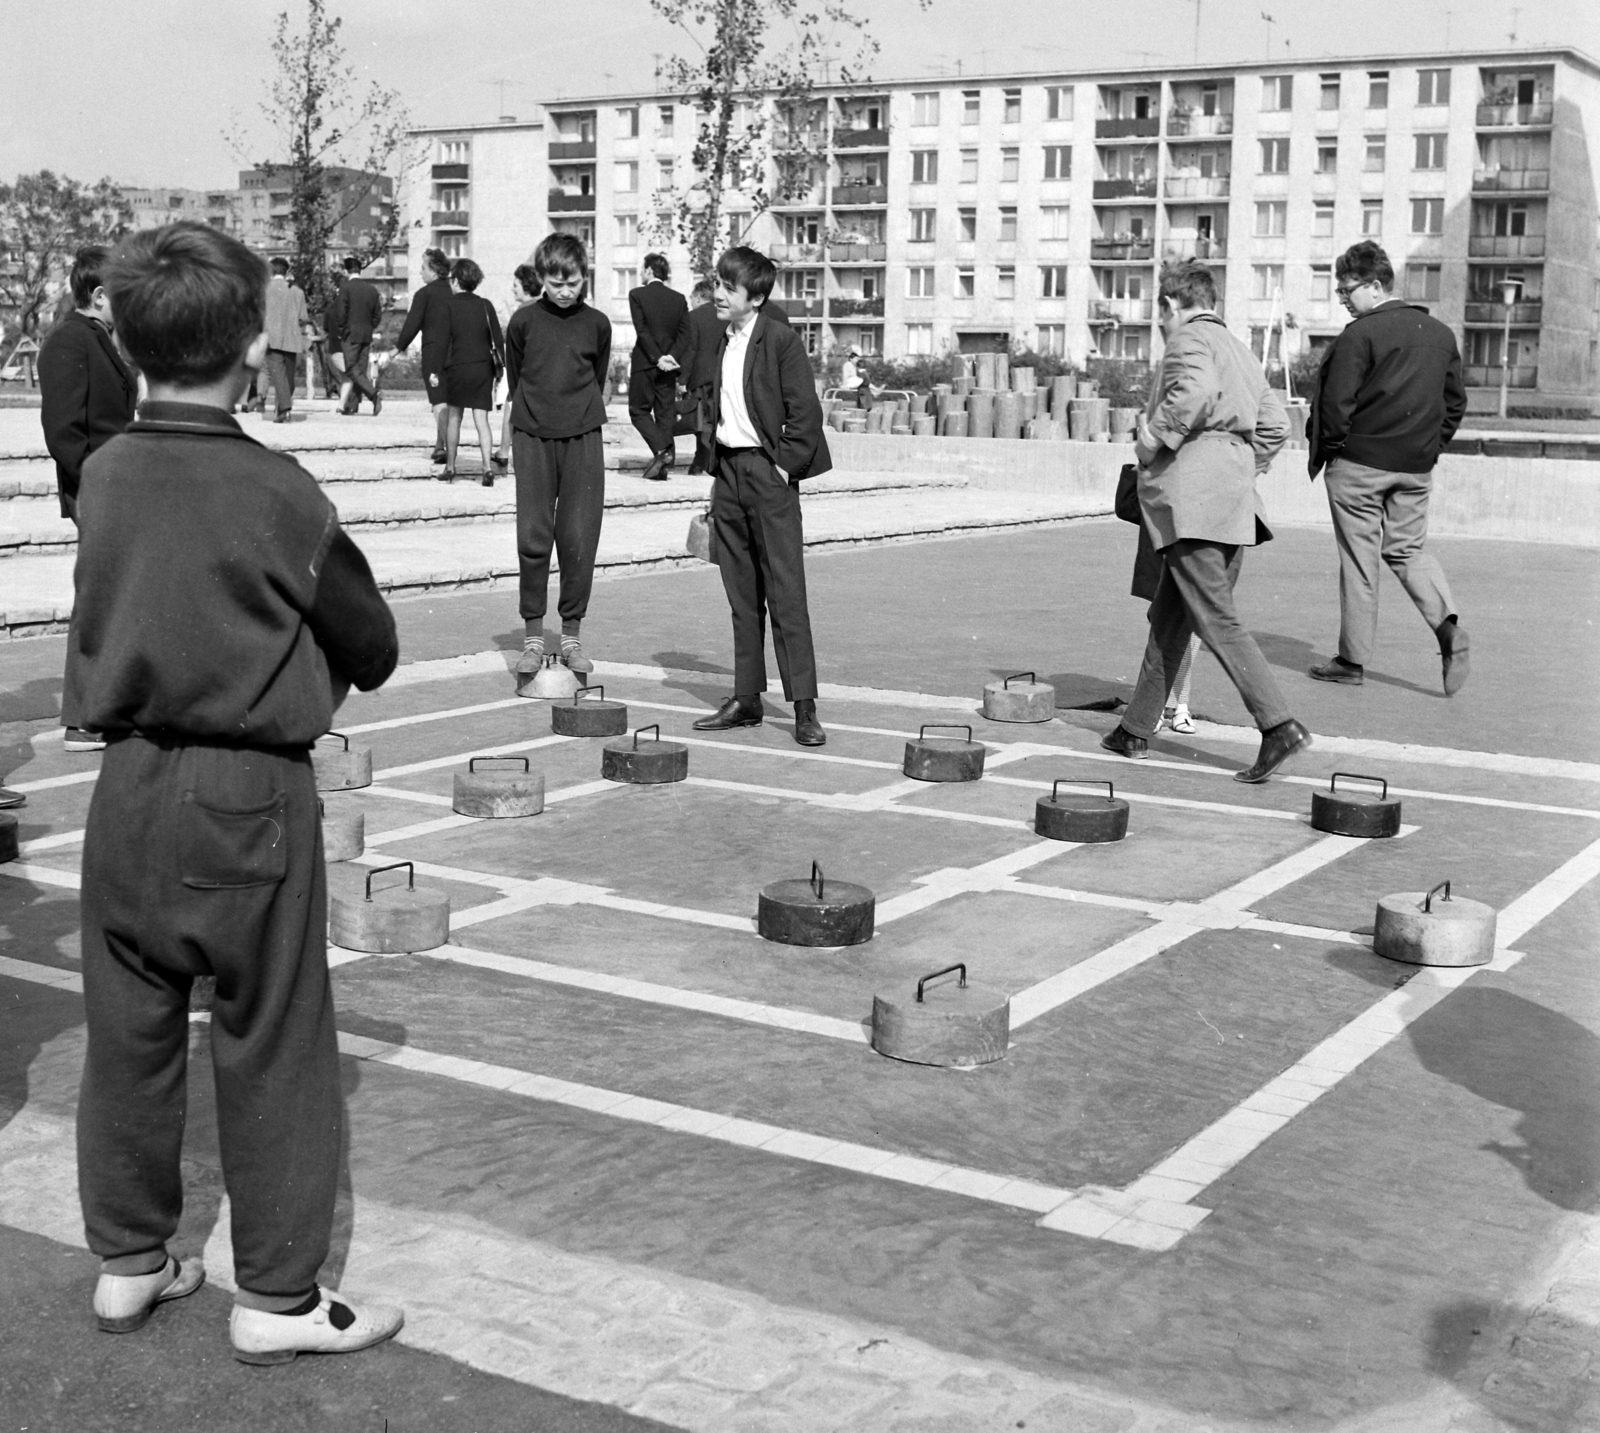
column 533, row 646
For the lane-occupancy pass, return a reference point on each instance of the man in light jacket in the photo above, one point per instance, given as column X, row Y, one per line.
column 1212, row 425
column 287, row 326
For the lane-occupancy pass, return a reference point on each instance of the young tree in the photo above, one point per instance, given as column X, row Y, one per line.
column 44, row 219
column 322, row 123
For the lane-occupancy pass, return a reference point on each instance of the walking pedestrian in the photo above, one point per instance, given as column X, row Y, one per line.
column 287, row 326
column 357, row 312
column 474, row 361
column 660, row 350
column 525, row 288
column 429, row 316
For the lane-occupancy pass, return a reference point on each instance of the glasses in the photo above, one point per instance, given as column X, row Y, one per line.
column 1345, row 290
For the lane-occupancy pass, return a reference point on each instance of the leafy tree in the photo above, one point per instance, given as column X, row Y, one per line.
column 44, row 219
column 322, row 122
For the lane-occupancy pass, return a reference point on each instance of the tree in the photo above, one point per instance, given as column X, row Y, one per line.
column 739, row 70
column 323, row 123
column 44, row 219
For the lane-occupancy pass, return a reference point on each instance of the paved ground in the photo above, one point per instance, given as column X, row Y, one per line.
column 621, row 1160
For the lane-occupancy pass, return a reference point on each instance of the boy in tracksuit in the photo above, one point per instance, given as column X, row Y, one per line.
column 221, row 617
column 558, row 351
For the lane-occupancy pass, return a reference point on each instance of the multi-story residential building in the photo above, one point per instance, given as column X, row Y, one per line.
column 364, row 201
column 918, row 216
column 155, row 208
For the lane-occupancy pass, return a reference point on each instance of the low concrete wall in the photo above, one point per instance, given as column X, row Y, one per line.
column 1520, row 499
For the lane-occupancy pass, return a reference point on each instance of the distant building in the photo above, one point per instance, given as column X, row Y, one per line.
column 264, row 220
column 154, row 208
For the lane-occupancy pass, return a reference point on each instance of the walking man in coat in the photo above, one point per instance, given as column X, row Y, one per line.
column 1212, row 425
column 1389, row 398
column 358, row 311
column 660, row 349
column 705, row 343
column 287, row 325
column 429, row 316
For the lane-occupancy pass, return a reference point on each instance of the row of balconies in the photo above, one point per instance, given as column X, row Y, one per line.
column 1488, row 310
column 1178, row 186
column 1507, row 116
column 571, row 149
column 450, row 218
column 1512, row 180
column 1113, row 311
column 1488, row 375
column 1505, row 246
column 870, row 253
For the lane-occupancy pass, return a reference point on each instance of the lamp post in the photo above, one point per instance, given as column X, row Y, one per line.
column 1509, row 289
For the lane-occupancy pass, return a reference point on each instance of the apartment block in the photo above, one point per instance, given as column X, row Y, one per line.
column 263, row 219
column 156, row 208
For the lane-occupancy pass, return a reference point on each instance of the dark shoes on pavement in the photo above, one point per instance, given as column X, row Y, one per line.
column 1348, row 674
column 77, row 739
column 656, row 469
column 1122, row 741
column 1454, row 655
column 10, row 798
column 807, row 729
column 1278, row 744
column 735, row 712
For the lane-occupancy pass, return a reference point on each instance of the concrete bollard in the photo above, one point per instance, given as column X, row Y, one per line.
column 1022, row 380
column 1002, row 371
column 963, row 385
column 1060, row 396
column 954, row 424
column 922, row 426
column 980, row 413
column 984, row 378
column 1008, row 415
column 1088, row 387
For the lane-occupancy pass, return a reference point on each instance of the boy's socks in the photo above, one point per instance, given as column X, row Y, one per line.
column 532, row 657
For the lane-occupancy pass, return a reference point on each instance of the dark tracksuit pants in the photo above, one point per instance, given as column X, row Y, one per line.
column 207, row 860
column 761, row 552
column 358, row 372
column 561, row 497
column 652, row 405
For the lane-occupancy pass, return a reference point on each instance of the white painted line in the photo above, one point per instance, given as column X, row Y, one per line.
column 38, row 974
column 1056, row 990
column 51, row 783
column 438, row 763
column 1224, row 808
column 51, row 843
column 420, row 828
column 420, row 718
column 787, row 755
column 1524, row 913
column 399, row 793
column 1286, row 872
column 41, row 875
column 1307, row 932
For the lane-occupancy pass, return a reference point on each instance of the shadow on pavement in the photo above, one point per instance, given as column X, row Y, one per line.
column 1525, row 1366
column 1293, row 654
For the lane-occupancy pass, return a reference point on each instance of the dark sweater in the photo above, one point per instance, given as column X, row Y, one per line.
column 473, row 335
column 86, row 397
column 556, row 363
column 217, row 597
column 429, row 316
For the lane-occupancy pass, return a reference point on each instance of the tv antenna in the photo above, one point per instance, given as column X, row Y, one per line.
column 1516, row 14
column 1270, row 23
column 500, row 87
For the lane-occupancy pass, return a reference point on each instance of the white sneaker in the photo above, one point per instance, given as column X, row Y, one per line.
column 335, row 1326
column 124, row 1302
column 78, row 739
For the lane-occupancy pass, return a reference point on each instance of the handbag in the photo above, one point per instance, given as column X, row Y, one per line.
column 1126, row 502
column 496, row 357
column 702, row 541
column 688, row 417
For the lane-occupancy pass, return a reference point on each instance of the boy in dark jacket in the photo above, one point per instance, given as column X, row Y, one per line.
column 558, row 351
column 221, row 617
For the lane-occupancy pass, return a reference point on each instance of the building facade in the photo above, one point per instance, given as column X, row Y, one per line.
column 156, row 208
column 365, row 202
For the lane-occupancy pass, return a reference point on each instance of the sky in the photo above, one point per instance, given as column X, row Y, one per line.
column 145, row 93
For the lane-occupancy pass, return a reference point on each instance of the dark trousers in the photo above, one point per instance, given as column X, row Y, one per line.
column 561, row 499
column 652, row 405
column 281, row 364
column 1196, row 595
column 207, row 860
column 358, row 371
column 331, row 377
column 761, row 552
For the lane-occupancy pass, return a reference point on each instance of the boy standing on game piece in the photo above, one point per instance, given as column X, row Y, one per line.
column 221, row 615
column 768, row 437
column 558, row 351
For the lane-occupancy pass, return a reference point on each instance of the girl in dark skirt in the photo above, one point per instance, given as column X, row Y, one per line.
column 476, row 359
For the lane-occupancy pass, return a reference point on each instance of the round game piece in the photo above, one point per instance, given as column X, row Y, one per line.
column 815, row 912
column 496, row 795
column 553, row 682
column 1080, row 817
column 943, row 758
column 648, row 763
column 344, row 834
column 8, row 837
column 1027, row 701
column 1415, row 928
column 959, row 1025
column 590, row 717
column 342, row 767
column 1355, row 813
column 393, row 920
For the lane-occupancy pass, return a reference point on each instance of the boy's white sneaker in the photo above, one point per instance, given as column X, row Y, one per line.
column 335, row 1325
column 124, row 1302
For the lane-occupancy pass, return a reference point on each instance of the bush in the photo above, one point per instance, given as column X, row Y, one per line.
column 1125, row 381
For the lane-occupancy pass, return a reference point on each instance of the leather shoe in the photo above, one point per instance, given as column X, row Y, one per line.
column 655, row 470
column 124, row 1302
column 735, row 712
column 1347, row 674
column 807, row 729
column 1454, row 655
column 1122, row 741
column 1277, row 745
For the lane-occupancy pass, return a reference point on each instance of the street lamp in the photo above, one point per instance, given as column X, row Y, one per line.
column 1509, row 289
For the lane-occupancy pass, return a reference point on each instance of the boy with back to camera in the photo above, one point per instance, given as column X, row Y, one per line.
column 558, row 351
column 221, row 616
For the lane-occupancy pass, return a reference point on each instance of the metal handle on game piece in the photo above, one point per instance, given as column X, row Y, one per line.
column 654, row 726
column 1031, row 676
column 943, row 726
column 959, row 965
column 472, row 764
column 342, row 737
column 582, row 690
column 411, row 875
column 817, row 881
column 1111, row 791
column 1354, row 776
column 1427, row 900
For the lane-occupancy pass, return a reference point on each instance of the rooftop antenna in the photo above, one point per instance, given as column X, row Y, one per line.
column 1197, row 5
column 1516, row 13
column 1448, row 14
column 500, row 86
column 1270, row 23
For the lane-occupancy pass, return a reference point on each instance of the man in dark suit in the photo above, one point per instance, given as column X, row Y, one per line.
column 357, row 311
column 700, row 373
column 430, row 317
column 660, row 349
column 768, row 425
column 1388, row 398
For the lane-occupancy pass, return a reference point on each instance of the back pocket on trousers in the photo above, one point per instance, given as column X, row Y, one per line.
column 226, row 850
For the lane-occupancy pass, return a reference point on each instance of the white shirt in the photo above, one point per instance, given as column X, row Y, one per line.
column 734, row 426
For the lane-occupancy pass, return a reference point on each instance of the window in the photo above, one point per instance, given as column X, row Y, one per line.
column 1053, row 221
column 628, row 122
column 1377, row 89
column 1427, row 216
column 625, row 178
column 1012, row 112
column 1321, row 283
column 968, row 220
column 1058, row 102
column 622, row 280
column 1005, row 282
column 1430, row 151
column 969, row 166
column 1272, row 219
column 1053, row 339
column 924, row 166
column 451, row 201
column 666, row 171
column 1433, row 87
column 453, row 151
column 1053, row 281
column 1274, row 156
column 1371, row 218
column 1009, row 166
column 1377, row 152
column 965, row 284
column 1322, row 219
column 627, row 229
column 802, row 228
column 969, row 106
column 664, row 118
column 1008, row 225
column 1266, row 280
column 922, row 226
column 1277, row 92
column 919, row 338
column 1327, row 156
column 919, row 283
column 454, row 245
column 1328, row 93
column 1058, row 161
column 801, row 285
column 1422, row 282
column 925, row 107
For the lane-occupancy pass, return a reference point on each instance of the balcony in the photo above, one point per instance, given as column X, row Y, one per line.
column 795, row 253
column 1123, row 249
column 1486, row 375
column 844, row 307
column 801, row 307
column 571, row 149
column 787, row 140
column 861, row 139
column 563, row 203
column 1516, row 116
column 1483, row 309
column 1110, row 312
column 1146, row 128
column 1505, row 246
column 1194, row 126
column 1510, row 180
column 450, row 218
column 450, row 171
column 858, row 196
column 1206, row 250
column 1125, row 188
column 1197, row 186
column 870, row 253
